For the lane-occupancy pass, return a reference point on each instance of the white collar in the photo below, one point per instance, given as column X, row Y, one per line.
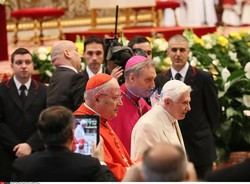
column 18, row 84
column 69, row 67
column 164, row 111
column 91, row 74
column 183, row 71
column 91, row 109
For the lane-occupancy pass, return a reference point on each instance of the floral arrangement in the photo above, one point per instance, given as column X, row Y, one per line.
column 227, row 57
column 4, row 2
column 42, row 60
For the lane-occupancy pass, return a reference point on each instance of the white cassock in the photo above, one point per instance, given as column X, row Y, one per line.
column 200, row 12
column 169, row 18
column 156, row 126
column 245, row 17
column 79, row 132
column 232, row 16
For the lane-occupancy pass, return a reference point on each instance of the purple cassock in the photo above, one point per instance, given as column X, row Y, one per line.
column 128, row 114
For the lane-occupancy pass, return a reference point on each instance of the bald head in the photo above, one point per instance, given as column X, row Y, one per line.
column 164, row 162
column 64, row 52
column 59, row 47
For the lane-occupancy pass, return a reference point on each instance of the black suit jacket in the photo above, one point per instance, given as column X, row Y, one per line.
column 238, row 172
column 18, row 123
column 86, row 75
column 59, row 164
column 66, row 88
column 199, row 123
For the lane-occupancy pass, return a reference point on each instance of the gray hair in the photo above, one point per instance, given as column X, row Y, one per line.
column 137, row 68
column 173, row 89
column 170, row 169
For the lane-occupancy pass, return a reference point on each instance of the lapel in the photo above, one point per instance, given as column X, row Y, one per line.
column 168, row 75
column 86, row 75
column 14, row 93
column 32, row 94
column 190, row 76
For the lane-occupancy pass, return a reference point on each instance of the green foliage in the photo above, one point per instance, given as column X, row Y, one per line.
column 42, row 62
column 226, row 58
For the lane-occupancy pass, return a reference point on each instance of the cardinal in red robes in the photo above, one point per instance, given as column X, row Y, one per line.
column 103, row 98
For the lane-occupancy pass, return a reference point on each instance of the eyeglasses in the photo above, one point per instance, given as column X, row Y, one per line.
column 116, row 99
column 174, row 49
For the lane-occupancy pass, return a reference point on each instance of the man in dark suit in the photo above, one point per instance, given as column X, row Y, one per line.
column 66, row 87
column 94, row 56
column 58, row 162
column 198, row 126
column 21, row 101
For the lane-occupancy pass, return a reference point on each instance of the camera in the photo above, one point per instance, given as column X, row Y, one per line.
column 117, row 53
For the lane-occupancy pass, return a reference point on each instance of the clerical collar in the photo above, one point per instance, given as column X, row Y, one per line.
column 91, row 74
column 183, row 71
column 18, row 84
column 171, row 118
column 91, row 109
column 69, row 67
column 133, row 96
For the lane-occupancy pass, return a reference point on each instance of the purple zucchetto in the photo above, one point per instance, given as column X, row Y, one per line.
column 135, row 60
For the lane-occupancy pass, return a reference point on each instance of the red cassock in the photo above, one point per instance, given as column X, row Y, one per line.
column 116, row 156
column 230, row 2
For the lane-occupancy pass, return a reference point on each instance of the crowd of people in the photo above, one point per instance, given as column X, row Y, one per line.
column 153, row 127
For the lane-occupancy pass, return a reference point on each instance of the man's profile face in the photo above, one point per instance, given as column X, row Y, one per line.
column 146, row 47
column 94, row 55
column 178, row 52
column 180, row 108
column 142, row 84
column 22, row 66
column 109, row 101
column 76, row 58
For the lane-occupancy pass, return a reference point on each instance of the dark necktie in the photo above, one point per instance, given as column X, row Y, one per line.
column 22, row 94
column 178, row 76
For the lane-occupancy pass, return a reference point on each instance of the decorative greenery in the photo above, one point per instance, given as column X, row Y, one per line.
column 4, row 2
column 42, row 60
column 227, row 57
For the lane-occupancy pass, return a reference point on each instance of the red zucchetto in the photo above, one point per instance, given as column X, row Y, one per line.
column 98, row 80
